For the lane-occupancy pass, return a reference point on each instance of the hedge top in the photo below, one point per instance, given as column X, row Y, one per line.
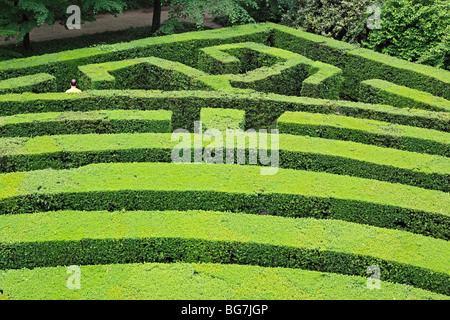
column 417, row 162
column 25, row 81
column 199, row 281
column 366, row 125
column 90, row 115
column 30, row 102
column 220, row 178
column 423, row 98
column 314, row 234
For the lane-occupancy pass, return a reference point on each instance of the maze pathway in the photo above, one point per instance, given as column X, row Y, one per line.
column 307, row 163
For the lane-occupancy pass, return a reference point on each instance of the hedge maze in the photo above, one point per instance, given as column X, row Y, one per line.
column 88, row 179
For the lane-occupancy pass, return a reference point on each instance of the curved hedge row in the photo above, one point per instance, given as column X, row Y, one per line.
column 365, row 131
column 162, row 186
column 328, row 246
column 41, row 82
column 262, row 110
column 285, row 77
column 384, row 92
column 179, row 47
column 276, row 70
column 102, row 121
column 193, row 281
column 401, row 224
column 357, row 64
column 295, row 152
column 150, row 73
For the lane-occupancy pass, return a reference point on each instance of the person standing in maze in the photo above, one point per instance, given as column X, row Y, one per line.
column 73, row 85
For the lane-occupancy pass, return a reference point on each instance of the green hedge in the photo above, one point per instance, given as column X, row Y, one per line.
column 182, row 281
column 41, row 82
column 365, row 131
column 261, row 110
column 102, row 121
column 295, row 152
column 179, row 47
column 360, row 64
column 142, row 73
column 380, row 91
column 222, row 119
column 357, row 64
column 163, row 186
column 86, row 238
column 271, row 69
column 238, row 58
column 324, row 82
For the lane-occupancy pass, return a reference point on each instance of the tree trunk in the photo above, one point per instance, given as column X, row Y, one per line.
column 26, row 39
column 27, row 42
column 156, row 15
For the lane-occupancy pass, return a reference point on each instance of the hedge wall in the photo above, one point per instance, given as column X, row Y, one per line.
column 102, row 121
column 380, row 91
column 239, row 58
column 357, row 64
column 143, row 73
column 360, row 64
column 261, row 110
column 295, row 152
column 271, row 69
column 213, row 237
column 199, row 281
column 169, row 186
column 365, row 131
column 41, row 82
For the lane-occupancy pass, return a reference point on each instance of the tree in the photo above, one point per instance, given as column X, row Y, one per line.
column 195, row 10
column 19, row 17
column 156, row 22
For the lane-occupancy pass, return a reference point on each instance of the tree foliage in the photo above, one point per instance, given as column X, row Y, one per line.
column 341, row 20
column 19, row 17
column 414, row 30
column 195, row 10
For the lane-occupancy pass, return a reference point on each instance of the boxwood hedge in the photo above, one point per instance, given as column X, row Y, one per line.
column 101, row 121
column 142, row 73
column 384, row 92
column 199, row 281
column 214, row 237
column 295, row 152
column 365, row 131
column 271, row 69
column 261, row 110
column 357, row 64
column 360, row 64
column 164, row 186
column 41, row 82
